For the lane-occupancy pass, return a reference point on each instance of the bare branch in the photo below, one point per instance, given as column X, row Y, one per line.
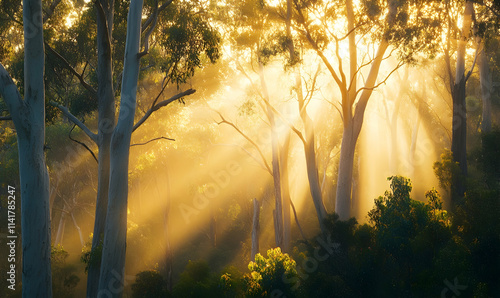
column 5, row 118
column 248, row 153
column 161, row 104
column 80, row 77
column 382, row 82
column 151, row 17
column 152, row 26
column 76, row 121
column 478, row 50
column 152, row 140
column 82, row 143
column 264, row 161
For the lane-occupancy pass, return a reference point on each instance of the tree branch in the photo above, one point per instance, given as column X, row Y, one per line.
column 80, row 77
column 264, row 161
column 155, row 139
column 473, row 64
column 161, row 104
column 150, row 30
column 82, row 143
column 150, row 18
column 76, row 121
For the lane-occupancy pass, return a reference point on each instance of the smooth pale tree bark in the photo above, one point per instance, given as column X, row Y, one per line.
column 352, row 114
column 255, row 229
column 106, row 123
column 459, row 122
column 486, row 87
column 111, row 280
column 278, row 212
column 28, row 115
column 352, row 128
column 309, row 144
column 285, row 189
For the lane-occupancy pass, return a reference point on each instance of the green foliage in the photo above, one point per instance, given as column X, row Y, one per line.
column 149, row 284
column 63, row 279
column 197, row 281
column 268, row 275
column 446, row 169
column 91, row 257
column 8, row 156
column 186, row 37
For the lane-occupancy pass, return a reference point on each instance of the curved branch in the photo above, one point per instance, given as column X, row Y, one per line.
column 150, row 18
column 152, row 26
column 264, row 161
column 155, row 139
column 161, row 104
column 82, row 143
column 80, row 77
column 76, row 121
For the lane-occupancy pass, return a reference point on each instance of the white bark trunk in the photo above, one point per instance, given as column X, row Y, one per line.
column 29, row 119
column 112, row 274
column 309, row 146
column 106, row 123
column 287, row 230
column 344, row 181
column 278, row 214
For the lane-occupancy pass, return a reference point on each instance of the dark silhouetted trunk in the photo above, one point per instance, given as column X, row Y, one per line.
column 255, row 229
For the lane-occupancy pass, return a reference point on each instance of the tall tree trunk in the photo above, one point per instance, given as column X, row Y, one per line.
column 29, row 120
column 111, row 280
column 255, row 229
column 309, row 145
column 486, row 87
column 344, row 180
column 287, row 230
column 352, row 128
column 413, row 146
column 459, row 129
column 106, row 123
column 278, row 214
column 354, row 122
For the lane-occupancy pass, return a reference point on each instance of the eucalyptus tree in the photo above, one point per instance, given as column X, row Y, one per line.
column 250, row 27
column 28, row 115
column 479, row 23
column 486, row 31
column 409, row 27
column 173, row 39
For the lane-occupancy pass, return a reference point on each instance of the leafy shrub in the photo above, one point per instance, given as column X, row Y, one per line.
column 149, row 284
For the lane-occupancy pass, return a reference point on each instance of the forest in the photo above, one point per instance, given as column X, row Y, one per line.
column 249, row 148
